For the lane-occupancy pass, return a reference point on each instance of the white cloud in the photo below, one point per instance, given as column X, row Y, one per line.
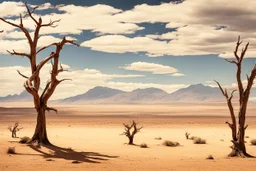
column 9, row 9
column 178, row 75
column 122, row 44
column 150, row 67
column 82, row 80
column 201, row 28
column 22, row 44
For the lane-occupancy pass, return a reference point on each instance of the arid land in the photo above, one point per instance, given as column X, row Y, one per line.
column 90, row 134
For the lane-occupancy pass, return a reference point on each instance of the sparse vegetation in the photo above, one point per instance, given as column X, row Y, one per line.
column 143, row 145
column 129, row 133
column 76, row 162
column 247, row 137
column 187, row 135
column 158, row 138
column 238, row 128
column 253, row 142
column 210, row 157
column 171, row 143
column 24, row 140
column 199, row 141
column 14, row 129
column 11, row 150
column 33, row 80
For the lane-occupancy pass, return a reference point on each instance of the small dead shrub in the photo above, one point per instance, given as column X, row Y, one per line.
column 171, row 143
column 247, row 137
column 187, row 135
column 158, row 138
column 76, row 162
column 210, row 157
column 253, row 142
column 11, row 150
column 143, row 145
column 199, row 141
column 193, row 138
column 24, row 140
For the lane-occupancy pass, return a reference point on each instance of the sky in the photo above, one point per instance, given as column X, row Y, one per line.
column 131, row 44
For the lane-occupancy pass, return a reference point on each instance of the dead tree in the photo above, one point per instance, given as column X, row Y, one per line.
column 14, row 129
column 238, row 129
column 187, row 135
column 131, row 133
column 33, row 83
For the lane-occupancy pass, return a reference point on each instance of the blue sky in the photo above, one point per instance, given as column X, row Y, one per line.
column 136, row 44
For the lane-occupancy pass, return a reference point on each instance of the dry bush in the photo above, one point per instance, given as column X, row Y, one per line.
column 171, row 143
column 193, row 138
column 76, row 162
column 210, row 157
column 187, row 135
column 253, row 142
column 11, row 150
column 143, row 145
column 158, row 138
column 199, row 141
column 24, row 140
column 247, row 137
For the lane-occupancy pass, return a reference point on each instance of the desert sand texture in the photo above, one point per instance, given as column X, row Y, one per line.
column 89, row 135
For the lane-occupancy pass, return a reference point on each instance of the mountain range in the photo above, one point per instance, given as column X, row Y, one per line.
column 104, row 95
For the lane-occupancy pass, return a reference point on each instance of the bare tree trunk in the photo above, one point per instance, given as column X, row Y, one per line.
column 32, row 83
column 40, row 134
column 131, row 140
column 238, row 130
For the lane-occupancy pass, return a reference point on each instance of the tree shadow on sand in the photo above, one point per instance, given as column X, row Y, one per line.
column 55, row 152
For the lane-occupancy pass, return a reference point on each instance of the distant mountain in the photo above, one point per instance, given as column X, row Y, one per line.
column 196, row 93
column 93, row 94
column 23, row 96
column 105, row 95
column 148, row 95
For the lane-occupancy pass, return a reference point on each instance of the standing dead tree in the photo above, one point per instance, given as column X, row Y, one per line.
column 238, row 129
column 14, row 129
column 187, row 135
column 33, row 83
column 131, row 133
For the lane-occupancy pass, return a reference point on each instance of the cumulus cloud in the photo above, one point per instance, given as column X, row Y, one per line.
column 82, row 80
column 178, row 75
column 200, row 28
column 122, row 44
column 150, row 67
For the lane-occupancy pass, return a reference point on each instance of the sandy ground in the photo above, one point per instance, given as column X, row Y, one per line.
column 91, row 134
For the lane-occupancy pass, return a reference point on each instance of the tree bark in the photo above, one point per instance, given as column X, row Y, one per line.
column 131, row 140
column 40, row 134
column 238, row 130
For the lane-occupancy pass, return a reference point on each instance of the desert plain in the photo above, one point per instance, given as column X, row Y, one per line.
column 90, row 136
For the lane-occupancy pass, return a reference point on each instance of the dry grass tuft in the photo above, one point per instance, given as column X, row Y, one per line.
column 11, row 150
column 76, row 162
column 143, row 145
column 253, row 142
column 210, row 157
column 158, row 138
column 171, row 143
column 24, row 140
column 199, row 141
